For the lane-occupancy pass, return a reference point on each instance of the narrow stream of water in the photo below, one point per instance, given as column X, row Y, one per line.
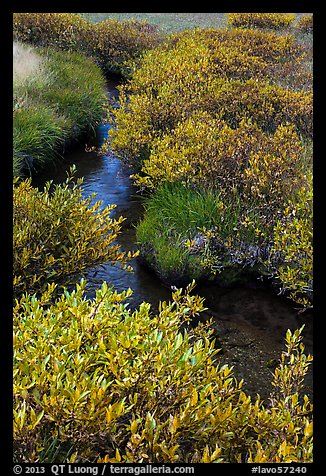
column 250, row 323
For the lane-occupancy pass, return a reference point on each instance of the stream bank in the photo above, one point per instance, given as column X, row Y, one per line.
column 250, row 323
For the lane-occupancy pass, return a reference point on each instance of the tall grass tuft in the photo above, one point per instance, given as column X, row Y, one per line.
column 171, row 235
column 38, row 135
column 58, row 97
column 184, row 209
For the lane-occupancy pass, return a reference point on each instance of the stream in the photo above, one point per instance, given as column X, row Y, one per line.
column 250, row 322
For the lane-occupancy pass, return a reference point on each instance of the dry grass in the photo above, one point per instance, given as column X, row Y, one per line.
column 170, row 22
column 167, row 22
column 25, row 62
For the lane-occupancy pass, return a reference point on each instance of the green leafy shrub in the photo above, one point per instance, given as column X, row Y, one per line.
column 58, row 234
column 274, row 21
column 112, row 385
column 111, row 43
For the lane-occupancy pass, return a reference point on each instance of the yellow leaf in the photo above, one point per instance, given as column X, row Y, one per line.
column 216, row 454
column 109, row 415
column 117, row 455
column 194, row 398
column 206, row 457
column 133, row 426
column 308, row 431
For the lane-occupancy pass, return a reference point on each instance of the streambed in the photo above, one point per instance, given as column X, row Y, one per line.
column 250, row 322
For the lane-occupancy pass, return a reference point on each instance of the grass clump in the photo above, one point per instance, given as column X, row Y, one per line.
column 95, row 381
column 172, row 236
column 39, row 133
column 54, row 106
column 77, row 89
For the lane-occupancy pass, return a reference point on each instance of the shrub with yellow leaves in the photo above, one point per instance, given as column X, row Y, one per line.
column 287, row 379
column 202, row 149
column 245, row 53
column 245, row 171
column 293, row 240
column 67, row 31
column 271, row 168
column 112, row 385
column 197, row 72
column 206, row 150
column 58, row 234
column 144, row 117
column 197, row 112
column 274, row 21
column 117, row 45
column 305, row 24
